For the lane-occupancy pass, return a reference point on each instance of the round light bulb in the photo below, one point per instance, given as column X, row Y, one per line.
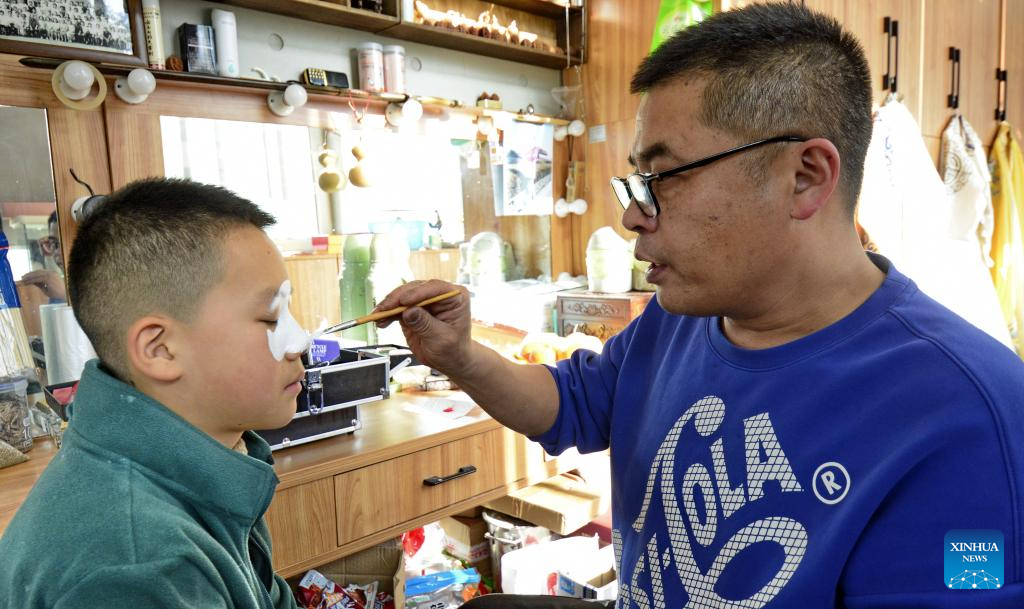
column 561, row 132
column 412, row 110
column 295, row 95
column 577, row 128
column 78, row 79
column 579, row 207
column 141, row 81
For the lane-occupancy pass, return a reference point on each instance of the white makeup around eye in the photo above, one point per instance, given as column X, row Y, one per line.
column 288, row 336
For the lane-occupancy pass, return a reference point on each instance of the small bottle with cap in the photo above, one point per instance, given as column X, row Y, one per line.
column 371, row 67
column 394, row 68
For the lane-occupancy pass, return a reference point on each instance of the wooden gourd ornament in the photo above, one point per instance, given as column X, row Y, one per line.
column 360, row 175
column 331, row 179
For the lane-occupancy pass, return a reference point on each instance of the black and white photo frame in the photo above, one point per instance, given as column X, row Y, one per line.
column 98, row 31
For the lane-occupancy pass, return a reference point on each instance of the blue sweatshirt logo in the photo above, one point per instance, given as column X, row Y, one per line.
column 765, row 461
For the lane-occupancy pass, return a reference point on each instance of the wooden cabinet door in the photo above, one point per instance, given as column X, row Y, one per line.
column 973, row 26
column 865, row 19
column 1015, row 62
column 302, row 522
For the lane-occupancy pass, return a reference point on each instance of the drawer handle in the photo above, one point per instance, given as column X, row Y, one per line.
column 465, row 470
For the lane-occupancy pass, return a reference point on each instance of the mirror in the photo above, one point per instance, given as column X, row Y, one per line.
column 412, row 180
column 430, row 186
column 28, row 210
column 435, row 184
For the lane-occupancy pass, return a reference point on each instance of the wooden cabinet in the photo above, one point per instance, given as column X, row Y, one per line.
column 865, row 19
column 302, row 521
column 341, row 495
column 1014, row 62
column 973, row 26
column 600, row 315
column 396, row 491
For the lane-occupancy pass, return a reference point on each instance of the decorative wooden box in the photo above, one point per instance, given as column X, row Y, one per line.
column 600, row 315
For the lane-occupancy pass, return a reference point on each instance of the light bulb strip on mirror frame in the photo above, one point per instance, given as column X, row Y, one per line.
column 382, row 99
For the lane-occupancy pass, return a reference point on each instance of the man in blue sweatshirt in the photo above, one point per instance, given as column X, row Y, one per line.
column 792, row 423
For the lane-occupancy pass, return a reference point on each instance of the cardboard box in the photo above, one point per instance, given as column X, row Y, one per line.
column 376, row 564
column 464, row 538
column 563, row 504
column 591, row 578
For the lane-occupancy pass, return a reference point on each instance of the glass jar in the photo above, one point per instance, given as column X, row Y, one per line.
column 371, row 67
column 394, row 68
column 15, row 418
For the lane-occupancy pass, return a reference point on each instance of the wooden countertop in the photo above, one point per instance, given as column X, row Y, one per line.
column 390, row 428
column 17, row 480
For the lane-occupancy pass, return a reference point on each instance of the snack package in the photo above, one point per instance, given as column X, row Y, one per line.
column 384, row 601
column 313, row 588
column 352, row 597
column 442, row 590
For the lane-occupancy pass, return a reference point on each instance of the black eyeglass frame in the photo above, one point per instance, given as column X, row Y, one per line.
column 651, row 208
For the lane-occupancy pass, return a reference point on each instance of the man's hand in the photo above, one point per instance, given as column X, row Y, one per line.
column 524, row 398
column 440, row 333
column 50, row 282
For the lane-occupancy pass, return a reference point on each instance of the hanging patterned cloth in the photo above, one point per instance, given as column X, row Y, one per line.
column 1007, row 164
column 915, row 222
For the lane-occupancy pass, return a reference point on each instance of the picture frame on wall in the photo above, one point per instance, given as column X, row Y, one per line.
column 99, row 31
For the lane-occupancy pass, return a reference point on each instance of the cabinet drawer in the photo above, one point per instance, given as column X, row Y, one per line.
column 593, row 307
column 386, row 494
column 600, row 328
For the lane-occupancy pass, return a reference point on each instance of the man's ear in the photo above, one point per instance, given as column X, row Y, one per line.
column 153, row 349
column 817, row 176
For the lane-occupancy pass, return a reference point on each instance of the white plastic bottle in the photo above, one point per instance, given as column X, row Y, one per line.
column 154, row 33
column 225, row 35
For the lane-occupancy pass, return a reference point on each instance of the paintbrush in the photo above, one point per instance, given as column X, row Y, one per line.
column 345, row 325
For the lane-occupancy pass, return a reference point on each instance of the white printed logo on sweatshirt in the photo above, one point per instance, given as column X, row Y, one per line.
column 670, row 549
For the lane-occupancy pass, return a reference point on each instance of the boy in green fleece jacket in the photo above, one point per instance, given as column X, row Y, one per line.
column 156, row 498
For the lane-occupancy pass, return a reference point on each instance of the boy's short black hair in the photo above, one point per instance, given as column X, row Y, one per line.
column 775, row 69
column 154, row 246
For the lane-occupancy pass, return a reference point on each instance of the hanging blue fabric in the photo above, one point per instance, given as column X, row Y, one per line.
column 7, row 289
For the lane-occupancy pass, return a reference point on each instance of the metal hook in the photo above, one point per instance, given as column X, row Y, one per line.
column 1003, row 85
column 953, row 99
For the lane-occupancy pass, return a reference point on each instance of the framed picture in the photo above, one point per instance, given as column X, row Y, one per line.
column 100, row 31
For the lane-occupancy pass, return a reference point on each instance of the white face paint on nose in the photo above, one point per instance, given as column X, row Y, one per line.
column 288, row 336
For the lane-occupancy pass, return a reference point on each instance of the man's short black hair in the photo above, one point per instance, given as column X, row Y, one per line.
column 154, row 246
column 775, row 69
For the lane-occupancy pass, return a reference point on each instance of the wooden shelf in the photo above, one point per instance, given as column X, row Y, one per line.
column 379, row 100
column 544, row 8
column 320, row 11
column 458, row 41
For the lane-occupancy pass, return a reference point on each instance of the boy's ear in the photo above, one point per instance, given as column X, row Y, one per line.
column 152, row 349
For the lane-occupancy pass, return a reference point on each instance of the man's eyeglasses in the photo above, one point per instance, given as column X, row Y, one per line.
column 637, row 186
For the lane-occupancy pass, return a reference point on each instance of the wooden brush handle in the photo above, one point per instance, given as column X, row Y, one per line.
column 390, row 312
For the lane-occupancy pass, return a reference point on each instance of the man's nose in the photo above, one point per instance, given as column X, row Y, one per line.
column 637, row 221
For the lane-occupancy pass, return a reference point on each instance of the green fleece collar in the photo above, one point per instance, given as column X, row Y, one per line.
column 116, row 417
